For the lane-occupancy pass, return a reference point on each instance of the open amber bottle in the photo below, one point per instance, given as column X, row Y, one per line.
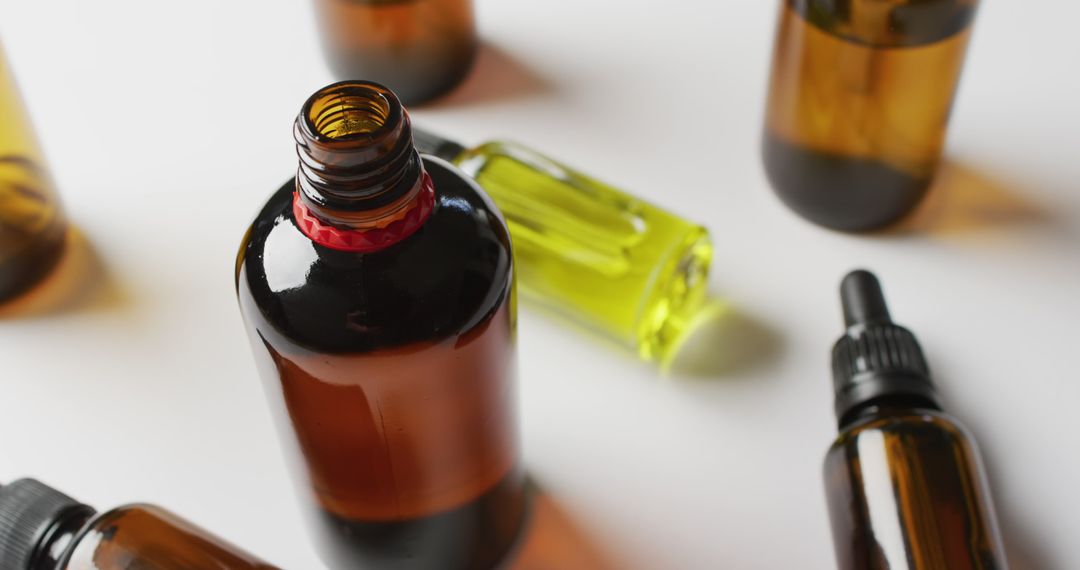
column 859, row 101
column 378, row 291
column 32, row 224
column 418, row 48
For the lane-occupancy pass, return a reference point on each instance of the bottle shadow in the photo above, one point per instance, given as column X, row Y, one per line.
column 964, row 200
column 1022, row 549
column 79, row 282
column 722, row 341
column 554, row 541
column 716, row 340
column 496, row 76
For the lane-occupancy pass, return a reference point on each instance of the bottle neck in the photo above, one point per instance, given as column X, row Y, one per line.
column 361, row 185
column 59, row 538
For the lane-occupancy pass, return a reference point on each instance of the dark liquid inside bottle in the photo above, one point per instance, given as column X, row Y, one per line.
column 393, row 374
column 32, row 228
column 859, row 102
column 907, row 490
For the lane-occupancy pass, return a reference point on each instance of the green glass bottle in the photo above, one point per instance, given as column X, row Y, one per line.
column 620, row 265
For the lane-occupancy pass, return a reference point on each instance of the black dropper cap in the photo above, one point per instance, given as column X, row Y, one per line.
column 876, row 362
column 430, row 143
column 30, row 513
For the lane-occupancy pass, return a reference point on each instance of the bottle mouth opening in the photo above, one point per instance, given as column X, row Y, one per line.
column 351, row 111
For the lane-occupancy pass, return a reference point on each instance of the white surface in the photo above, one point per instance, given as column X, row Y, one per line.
column 167, row 124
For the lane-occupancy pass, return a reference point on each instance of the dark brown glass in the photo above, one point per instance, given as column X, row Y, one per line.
column 907, row 490
column 859, row 101
column 392, row 372
column 144, row 537
column 418, row 48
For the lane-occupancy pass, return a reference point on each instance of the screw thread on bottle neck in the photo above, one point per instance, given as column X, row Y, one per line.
column 358, row 167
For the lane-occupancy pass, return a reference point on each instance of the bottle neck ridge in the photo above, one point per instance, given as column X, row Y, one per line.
column 361, row 185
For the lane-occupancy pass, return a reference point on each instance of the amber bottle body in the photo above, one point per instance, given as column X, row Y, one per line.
column 859, row 100
column 138, row 537
column 418, row 48
column 907, row 490
column 32, row 224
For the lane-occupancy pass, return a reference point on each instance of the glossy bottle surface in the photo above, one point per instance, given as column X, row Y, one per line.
column 859, row 100
column 906, row 490
column 594, row 253
column 144, row 537
column 393, row 375
column 418, row 48
column 32, row 226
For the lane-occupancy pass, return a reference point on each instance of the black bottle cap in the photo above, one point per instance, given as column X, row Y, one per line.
column 429, row 143
column 876, row 362
column 29, row 512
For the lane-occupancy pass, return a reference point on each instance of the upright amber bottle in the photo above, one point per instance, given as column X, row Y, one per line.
column 859, row 101
column 43, row 529
column 904, row 480
column 378, row 292
column 32, row 225
column 622, row 266
column 418, row 48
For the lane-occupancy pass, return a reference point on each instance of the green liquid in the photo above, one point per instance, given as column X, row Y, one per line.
column 620, row 265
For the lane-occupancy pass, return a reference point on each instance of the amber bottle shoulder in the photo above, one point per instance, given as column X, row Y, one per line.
column 909, row 422
column 439, row 283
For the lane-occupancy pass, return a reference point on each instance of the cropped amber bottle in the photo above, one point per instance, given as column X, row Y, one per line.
column 859, row 101
column 43, row 529
column 32, row 225
column 378, row 291
column 418, row 48
column 623, row 267
column 904, row 480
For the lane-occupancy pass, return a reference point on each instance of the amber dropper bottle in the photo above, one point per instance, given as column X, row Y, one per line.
column 44, row 529
column 904, row 480
column 419, row 48
column 859, row 101
column 378, row 292
column 628, row 269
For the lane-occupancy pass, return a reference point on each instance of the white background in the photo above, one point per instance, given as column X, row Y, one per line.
column 168, row 123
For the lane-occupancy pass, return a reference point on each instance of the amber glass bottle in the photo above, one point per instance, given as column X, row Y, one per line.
column 904, row 480
column 32, row 226
column 418, row 48
column 43, row 529
column 859, row 100
column 378, row 292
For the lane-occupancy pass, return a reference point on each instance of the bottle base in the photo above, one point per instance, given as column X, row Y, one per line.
column 475, row 536
column 676, row 298
column 840, row 192
column 24, row 269
column 414, row 79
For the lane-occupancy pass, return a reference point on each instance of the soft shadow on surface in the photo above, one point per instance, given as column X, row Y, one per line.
column 553, row 541
column 964, row 200
column 495, row 76
column 723, row 341
column 1024, row 549
column 79, row 282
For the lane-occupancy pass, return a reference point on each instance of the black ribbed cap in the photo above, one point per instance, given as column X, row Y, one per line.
column 29, row 511
column 876, row 361
column 430, row 143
